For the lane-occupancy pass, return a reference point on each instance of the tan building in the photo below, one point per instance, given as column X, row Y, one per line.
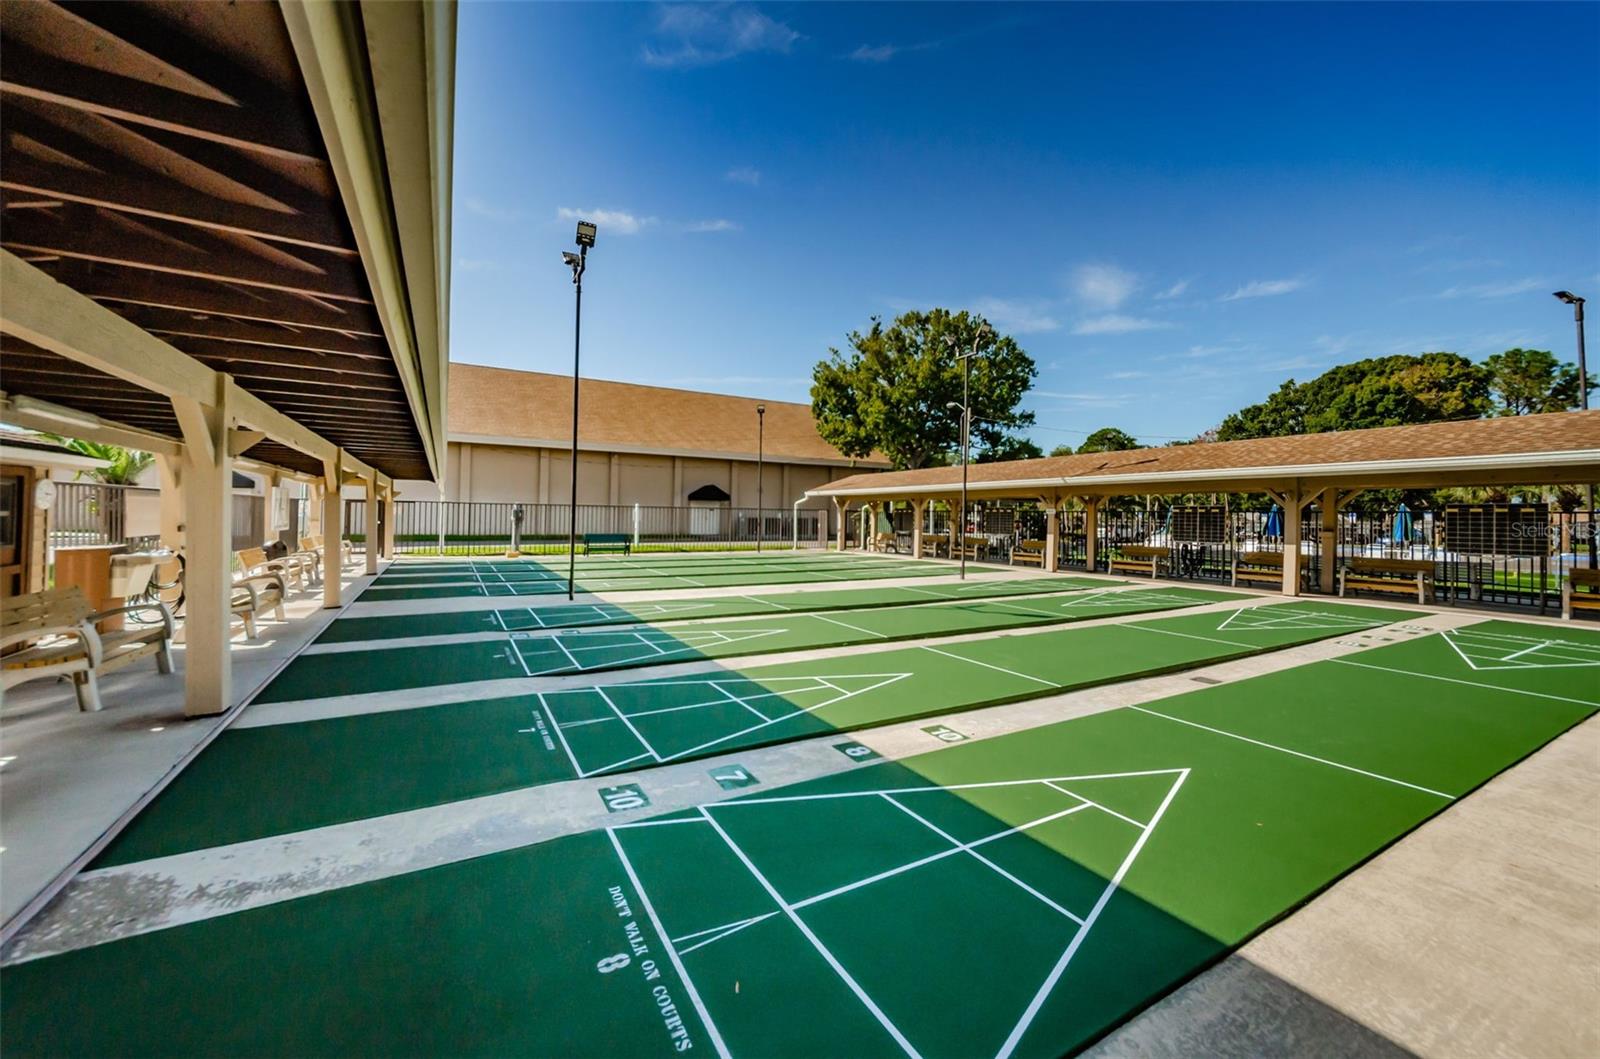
column 509, row 439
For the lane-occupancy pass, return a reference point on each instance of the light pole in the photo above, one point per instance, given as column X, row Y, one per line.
column 761, row 479
column 1583, row 403
column 966, row 432
column 577, row 262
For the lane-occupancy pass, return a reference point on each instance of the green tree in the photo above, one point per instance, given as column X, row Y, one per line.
column 891, row 390
column 1109, row 439
column 1529, row 381
column 1377, row 392
column 1010, row 447
column 124, row 465
column 1061, row 450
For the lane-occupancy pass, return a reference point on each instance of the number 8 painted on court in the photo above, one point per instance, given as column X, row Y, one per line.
column 613, row 963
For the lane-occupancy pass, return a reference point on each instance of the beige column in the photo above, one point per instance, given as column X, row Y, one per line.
column 391, row 512
column 370, row 550
column 783, row 486
column 1291, row 541
column 1052, row 535
column 171, row 471
column 677, row 481
column 1327, row 572
column 1091, row 531
column 614, row 479
column 838, row 510
column 919, row 510
column 464, row 473
column 333, row 530
column 544, row 476
column 207, row 489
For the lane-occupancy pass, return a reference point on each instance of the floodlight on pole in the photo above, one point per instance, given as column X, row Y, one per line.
column 1583, row 402
column 761, row 479
column 577, row 262
column 966, row 432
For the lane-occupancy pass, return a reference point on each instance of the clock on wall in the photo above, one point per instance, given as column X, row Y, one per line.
column 44, row 493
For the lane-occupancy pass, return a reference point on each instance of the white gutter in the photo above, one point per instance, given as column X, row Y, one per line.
column 1497, row 462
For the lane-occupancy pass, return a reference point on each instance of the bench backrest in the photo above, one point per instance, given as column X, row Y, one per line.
column 1261, row 559
column 1391, row 566
column 1030, row 546
column 250, row 558
column 1584, row 578
column 52, row 608
column 606, row 538
column 1143, row 551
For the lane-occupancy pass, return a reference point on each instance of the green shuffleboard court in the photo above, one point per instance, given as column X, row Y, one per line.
column 270, row 779
column 536, row 654
column 508, row 579
column 574, row 615
column 1017, row 896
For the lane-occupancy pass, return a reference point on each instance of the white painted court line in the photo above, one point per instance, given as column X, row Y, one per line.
column 725, row 932
column 734, row 698
column 1296, row 753
column 666, row 943
column 986, row 665
column 1468, row 683
column 1060, row 968
column 968, row 848
column 1191, row 636
column 847, row 625
column 555, row 724
column 816, row 942
column 624, row 719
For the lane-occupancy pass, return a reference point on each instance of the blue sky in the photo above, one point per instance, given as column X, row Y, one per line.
column 1172, row 207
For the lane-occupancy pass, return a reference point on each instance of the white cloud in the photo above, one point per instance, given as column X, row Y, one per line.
column 1016, row 317
column 874, row 53
column 1173, row 291
column 702, row 34
column 611, row 222
column 484, row 208
column 743, row 174
column 1495, row 290
column 1103, row 286
column 1118, row 324
column 1265, row 288
column 719, row 224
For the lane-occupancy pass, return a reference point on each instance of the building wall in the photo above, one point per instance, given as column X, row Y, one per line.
column 503, row 473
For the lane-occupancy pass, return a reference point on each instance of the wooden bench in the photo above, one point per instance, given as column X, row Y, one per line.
column 971, row 548
column 1138, row 558
column 254, row 561
column 260, row 589
column 1029, row 553
column 934, row 543
column 1258, row 568
column 61, row 620
column 1403, row 577
column 1580, row 591
column 607, row 542
column 884, row 542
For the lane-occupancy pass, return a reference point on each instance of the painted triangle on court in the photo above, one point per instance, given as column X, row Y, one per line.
column 1484, row 650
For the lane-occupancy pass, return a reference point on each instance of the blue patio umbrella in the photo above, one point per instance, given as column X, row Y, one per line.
column 1402, row 525
column 1274, row 526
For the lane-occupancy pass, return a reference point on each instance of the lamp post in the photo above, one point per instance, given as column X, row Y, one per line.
column 966, row 433
column 577, row 262
column 761, row 478
column 1583, row 403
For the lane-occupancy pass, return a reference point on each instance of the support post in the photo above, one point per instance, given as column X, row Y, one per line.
column 1052, row 534
column 171, row 471
column 839, row 512
column 1291, row 541
column 391, row 510
column 207, row 480
column 1327, row 571
column 370, row 551
column 1091, row 532
column 918, row 509
column 332, row 532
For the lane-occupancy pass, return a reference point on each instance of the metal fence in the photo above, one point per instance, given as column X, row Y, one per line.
column 1513, row 555
column 86, row 513
column 485, row 528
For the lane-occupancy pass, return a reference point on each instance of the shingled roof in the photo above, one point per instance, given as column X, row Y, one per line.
column 500, row 405
column 1544, row 449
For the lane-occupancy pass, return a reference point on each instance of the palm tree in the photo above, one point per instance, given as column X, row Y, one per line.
column 123, row 465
